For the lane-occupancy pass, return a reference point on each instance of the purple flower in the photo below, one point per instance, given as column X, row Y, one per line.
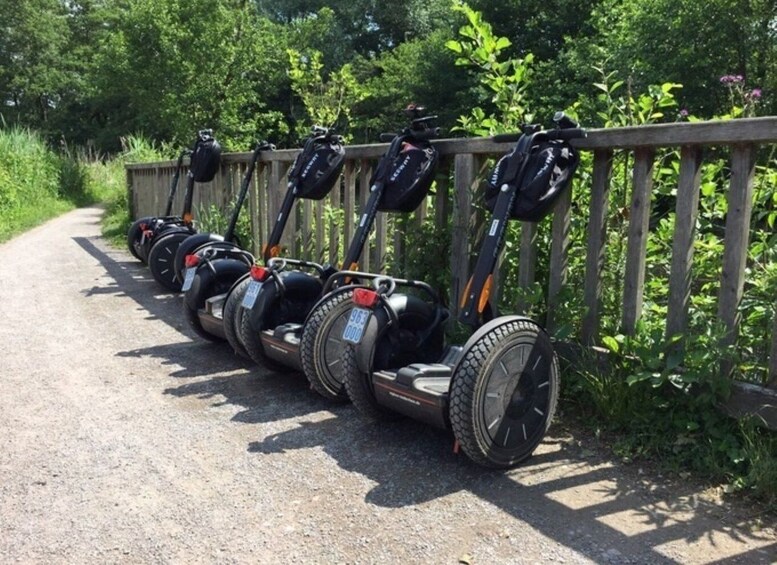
column 755, row 94
column 684, row 113
column 731, row 79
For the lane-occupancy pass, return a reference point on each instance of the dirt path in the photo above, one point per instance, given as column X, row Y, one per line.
column 123, row 439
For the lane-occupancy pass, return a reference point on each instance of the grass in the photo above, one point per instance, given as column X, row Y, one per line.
column 38, row 183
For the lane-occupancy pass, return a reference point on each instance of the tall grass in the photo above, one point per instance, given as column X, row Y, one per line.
column 35, row 183
column 38, row 183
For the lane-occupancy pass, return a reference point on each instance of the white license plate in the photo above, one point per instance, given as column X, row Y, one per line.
column 188, row 278
column 251, row 293
column 357, row 321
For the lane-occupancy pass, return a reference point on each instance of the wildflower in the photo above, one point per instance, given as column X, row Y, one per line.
column 684, row 113
column 755, row 94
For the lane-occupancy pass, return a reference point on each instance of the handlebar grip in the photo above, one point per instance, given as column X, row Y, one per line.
column 567, row 134
column 387, row 137
column 506, row 137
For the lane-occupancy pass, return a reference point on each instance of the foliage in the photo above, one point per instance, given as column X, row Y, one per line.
column 505, row 81
column 326, row 102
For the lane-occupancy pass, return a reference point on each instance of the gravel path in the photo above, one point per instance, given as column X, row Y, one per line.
column 125, row 439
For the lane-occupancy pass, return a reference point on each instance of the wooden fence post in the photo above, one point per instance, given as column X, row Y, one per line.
column 559, row 251
column 639, row 218
column 686, row 212
column 597, row 236
column 740, row 206
column 463, row 180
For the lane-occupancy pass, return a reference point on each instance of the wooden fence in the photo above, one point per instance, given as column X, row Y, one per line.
column 462, row 166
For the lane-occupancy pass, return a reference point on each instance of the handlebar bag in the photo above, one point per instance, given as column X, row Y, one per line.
column 316, row 171
column 205, row 159
column 548, row 173
column 407, row 178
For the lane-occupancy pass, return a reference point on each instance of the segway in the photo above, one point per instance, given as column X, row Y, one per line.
column 498, row 391
column 138, row 240
column 217, row 272
column 204, row 163
column 284, row 308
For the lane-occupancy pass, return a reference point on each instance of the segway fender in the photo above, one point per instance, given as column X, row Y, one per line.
column 296, row 285
column 206, row 279
column 377, row 326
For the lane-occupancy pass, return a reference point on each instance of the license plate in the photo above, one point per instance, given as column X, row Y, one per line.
column 357, row 321
column 188, row 278
column 251, row 293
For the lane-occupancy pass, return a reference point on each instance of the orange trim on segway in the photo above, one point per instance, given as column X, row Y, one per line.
column 485, row 294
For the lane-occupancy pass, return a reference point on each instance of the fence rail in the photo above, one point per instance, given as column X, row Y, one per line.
column 463, row 162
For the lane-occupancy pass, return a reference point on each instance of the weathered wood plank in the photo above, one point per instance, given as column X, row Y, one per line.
column 274, row 193
column 639, row 217
column 307, row 230
column 255, row 211
column 320, row 222
column 772, row 375
column 463, row 181
column 349, row 197
column 713, row 132
column 365, row 171
column 527, row 262
column 752, row 401
column 597, row 236
column 686, row 212
column 334, row 226
column 559, row 255
column 740, row 206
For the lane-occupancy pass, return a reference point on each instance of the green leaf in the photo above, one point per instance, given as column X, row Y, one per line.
column 453, row 45
column 611, row 343
column 502, row 43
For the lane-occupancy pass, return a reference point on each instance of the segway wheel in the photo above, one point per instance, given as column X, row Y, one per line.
column 161, row 260
column 134, row 234
column 233, row 317
column 504, row 393
column 252, row 341
column 358, row 386
column 321, row 346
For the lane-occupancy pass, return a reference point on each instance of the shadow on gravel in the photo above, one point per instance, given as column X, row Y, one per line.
column 133, row 279
column 413, row 463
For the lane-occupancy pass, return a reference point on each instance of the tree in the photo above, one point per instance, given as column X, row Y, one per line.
column 32, row 78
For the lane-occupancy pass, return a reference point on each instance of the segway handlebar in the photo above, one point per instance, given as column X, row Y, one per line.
column 553, row 134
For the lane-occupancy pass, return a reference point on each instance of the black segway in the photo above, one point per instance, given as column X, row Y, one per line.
column 285, row 308
column 205, row 161
column 217, row 273
column 498, row 391
column 143, row 229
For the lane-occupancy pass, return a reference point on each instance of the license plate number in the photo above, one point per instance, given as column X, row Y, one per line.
column 357, row 321
column 251, row 293
column 188, row 278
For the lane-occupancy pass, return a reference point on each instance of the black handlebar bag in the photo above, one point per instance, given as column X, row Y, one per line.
column 407, row 177
column 205, row 159
column 548, row 173
column 316, row 171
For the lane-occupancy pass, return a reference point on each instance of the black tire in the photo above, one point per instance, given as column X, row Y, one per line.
column 193, row 320
column 134, row 233
column 508, row 376
column 161, row 258
column 233, row 317
column 358, row 386
column 252, row 342
column 321, row 346
column 188, row 246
